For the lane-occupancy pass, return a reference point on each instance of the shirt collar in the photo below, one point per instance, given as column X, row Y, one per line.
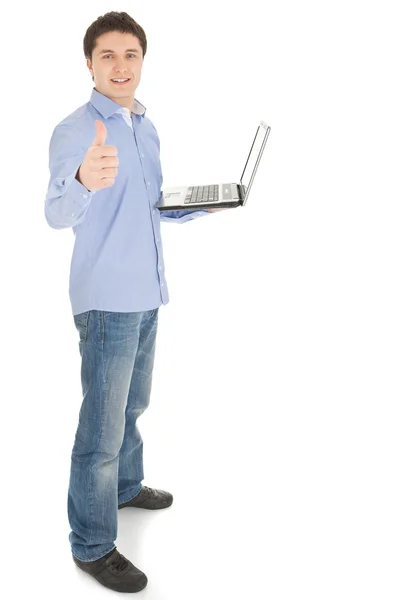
column 108, row 107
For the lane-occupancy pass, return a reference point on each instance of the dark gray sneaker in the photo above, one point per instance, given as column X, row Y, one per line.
column 115, row 572
column 150, row 498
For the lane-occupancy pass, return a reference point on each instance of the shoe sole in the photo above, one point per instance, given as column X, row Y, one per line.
column 144, row 507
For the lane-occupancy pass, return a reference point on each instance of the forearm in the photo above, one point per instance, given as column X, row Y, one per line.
column 67, row 201
column 181, row 216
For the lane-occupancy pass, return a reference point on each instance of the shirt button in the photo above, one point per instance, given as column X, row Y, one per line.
column 142, row 155
column 148, row 183
column 84, row 196
column 73, row 214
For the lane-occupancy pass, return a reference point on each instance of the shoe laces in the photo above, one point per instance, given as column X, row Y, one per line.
column 150, row 491
column 119, row 563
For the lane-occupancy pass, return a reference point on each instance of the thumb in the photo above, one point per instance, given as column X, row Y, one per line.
column 101, row 134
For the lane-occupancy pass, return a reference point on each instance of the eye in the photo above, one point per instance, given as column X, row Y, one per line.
column 130, row 54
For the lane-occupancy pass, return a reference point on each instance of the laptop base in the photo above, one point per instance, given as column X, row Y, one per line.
column 202, row 206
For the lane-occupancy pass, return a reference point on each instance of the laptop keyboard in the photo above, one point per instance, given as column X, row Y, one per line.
column 202, row 193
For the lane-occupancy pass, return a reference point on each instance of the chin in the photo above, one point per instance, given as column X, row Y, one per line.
column 125, row 90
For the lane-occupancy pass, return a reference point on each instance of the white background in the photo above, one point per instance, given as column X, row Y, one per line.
column 274, row 416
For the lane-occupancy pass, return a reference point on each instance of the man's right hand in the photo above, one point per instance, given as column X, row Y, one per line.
column 99, row 167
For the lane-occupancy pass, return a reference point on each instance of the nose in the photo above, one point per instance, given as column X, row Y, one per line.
column 120, row 67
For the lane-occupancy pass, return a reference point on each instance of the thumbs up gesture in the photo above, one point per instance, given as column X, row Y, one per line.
column 99, row 167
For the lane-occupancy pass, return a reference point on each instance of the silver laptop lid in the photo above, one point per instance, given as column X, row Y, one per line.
column 253, row 159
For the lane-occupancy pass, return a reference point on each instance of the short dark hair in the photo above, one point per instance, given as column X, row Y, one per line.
column 112, row 21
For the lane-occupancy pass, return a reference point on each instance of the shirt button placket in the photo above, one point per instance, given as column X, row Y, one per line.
column 157, row 239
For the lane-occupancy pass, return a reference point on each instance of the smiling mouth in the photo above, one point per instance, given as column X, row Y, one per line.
column 120, row 82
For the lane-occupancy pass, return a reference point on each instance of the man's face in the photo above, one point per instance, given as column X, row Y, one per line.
column 117, row 56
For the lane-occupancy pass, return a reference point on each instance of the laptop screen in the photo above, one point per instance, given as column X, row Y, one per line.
column 253, row 158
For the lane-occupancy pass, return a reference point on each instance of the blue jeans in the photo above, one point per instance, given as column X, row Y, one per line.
column 117, row 351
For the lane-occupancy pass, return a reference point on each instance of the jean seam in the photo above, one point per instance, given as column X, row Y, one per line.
column 102, row 327
column 91, row 505
column 86, row 326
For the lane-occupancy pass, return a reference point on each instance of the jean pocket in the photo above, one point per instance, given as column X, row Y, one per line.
column 81, row 323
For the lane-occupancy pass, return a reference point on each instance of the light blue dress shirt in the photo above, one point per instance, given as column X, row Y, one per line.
column 117, row 262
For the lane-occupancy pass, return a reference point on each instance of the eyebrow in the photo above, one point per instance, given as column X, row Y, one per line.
column 129, row 50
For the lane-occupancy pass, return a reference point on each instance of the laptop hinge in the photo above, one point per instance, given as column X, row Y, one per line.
column 241, row 192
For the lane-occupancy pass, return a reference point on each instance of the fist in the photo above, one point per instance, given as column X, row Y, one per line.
column 99, row 167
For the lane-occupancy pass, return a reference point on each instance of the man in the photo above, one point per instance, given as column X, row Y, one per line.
column 105, row 182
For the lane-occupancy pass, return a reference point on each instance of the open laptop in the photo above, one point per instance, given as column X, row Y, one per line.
column 222, row 195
